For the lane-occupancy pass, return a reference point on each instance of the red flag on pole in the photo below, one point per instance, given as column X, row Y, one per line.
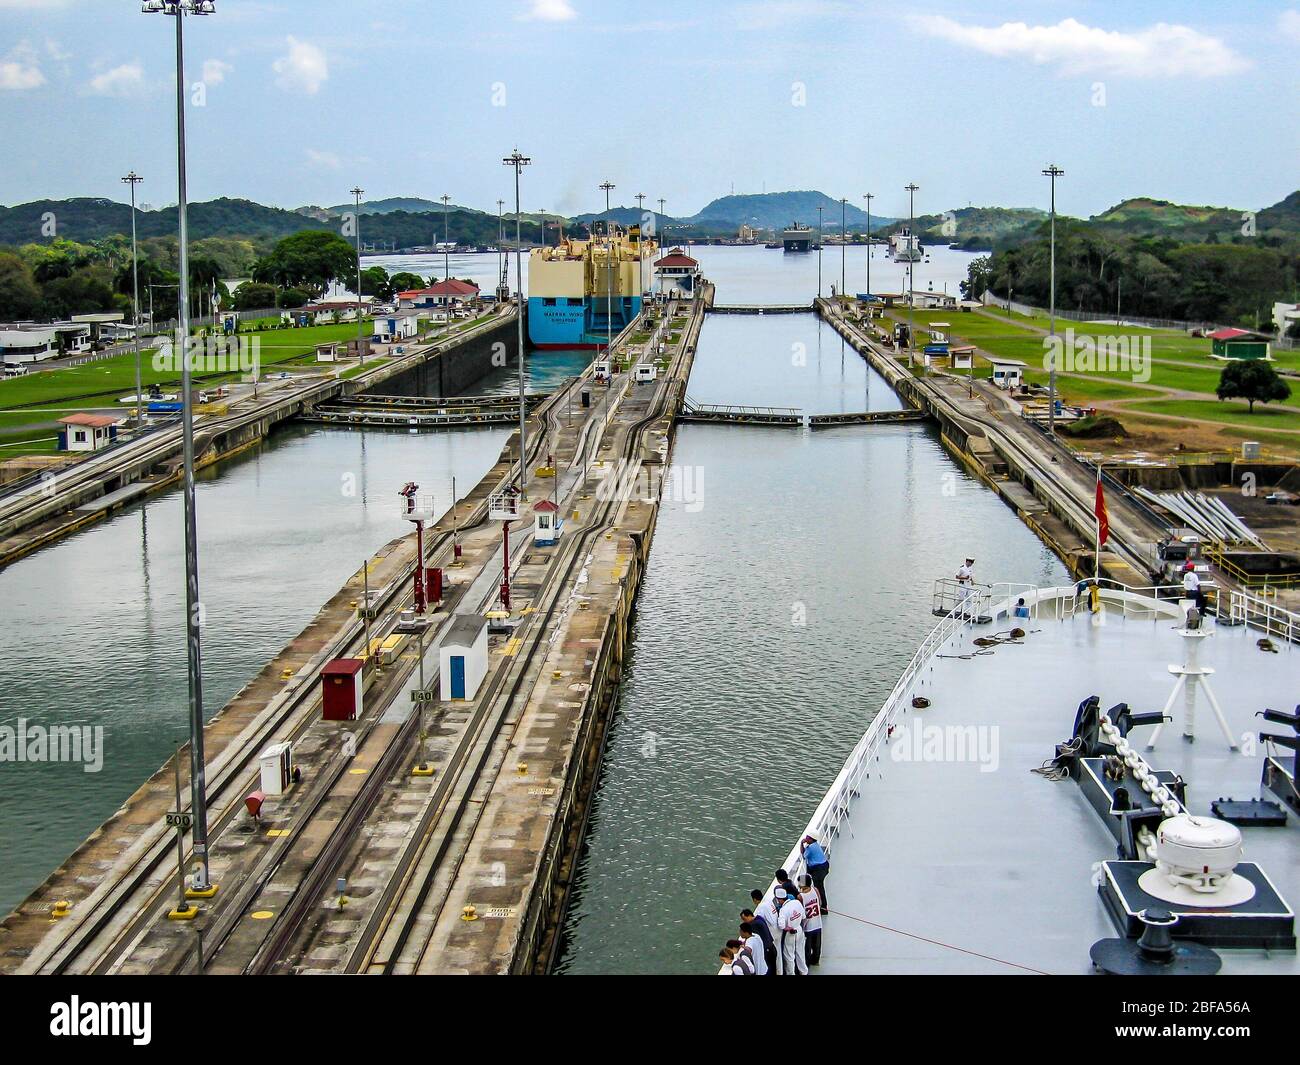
column 1099, row 509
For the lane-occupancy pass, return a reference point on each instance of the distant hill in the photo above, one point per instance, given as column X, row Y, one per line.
column 1283, row 216
column 409, row 204
column 975, row 228
column 776, row 210
column 1146, row 217
column 87, row 219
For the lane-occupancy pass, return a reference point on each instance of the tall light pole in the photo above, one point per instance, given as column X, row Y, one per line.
column 1053, row 172
column 608, row 186
column 659, row 221
column 519, row 161
column 446, row 240
column 869, row 197
column 912, row 247
column 819, row 252
column 844, row 241
column 133, row 179
column 202, row 881
column 503, row 290
column 640, row 245
column 357, row 193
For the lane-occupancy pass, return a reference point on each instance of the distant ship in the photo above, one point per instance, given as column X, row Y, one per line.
column 797, row 237
column 582, row 290
column 905, row 246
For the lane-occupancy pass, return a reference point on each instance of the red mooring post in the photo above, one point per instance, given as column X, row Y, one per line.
column 505, row 572
column 419, row 567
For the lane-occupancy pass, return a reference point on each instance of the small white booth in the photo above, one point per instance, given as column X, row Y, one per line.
column 277, row 768
column 962, row 358
column 601, row 370
column 547, row 524
column 463, row 657
column 644, row 372
column 1007, row 373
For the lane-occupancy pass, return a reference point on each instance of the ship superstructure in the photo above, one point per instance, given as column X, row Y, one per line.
column 585, row 289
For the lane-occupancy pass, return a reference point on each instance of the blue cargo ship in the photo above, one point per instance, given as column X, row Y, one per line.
column 583, row 291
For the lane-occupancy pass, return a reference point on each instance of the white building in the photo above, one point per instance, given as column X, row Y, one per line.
column 933, row 301
column 388, row 328
column 87, row 432
column 463, row 657
column 677, row 274
column 25, row 342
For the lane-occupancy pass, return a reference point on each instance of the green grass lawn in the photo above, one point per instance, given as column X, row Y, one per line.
column 104, row 381
column 1232, row 412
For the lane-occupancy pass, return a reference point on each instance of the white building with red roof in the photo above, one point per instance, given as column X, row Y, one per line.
column 449, row 293
column 87, row 432
column 677, row 274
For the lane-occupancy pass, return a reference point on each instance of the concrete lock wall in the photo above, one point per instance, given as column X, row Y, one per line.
column 452, row 370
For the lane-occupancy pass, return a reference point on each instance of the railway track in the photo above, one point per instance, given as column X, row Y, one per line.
column 138, row 886
column 388, row 942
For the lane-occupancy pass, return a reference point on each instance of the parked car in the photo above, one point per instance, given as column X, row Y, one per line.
column 1281, row 495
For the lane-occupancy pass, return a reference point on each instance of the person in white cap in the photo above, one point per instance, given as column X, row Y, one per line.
column 790, row 918
column 965, row 582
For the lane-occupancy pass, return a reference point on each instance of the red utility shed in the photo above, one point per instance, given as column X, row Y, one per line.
column 341, row 683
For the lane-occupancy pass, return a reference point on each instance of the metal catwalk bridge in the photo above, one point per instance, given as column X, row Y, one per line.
column 734, row 414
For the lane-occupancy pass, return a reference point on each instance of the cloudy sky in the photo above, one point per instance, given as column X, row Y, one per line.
column 294, row 102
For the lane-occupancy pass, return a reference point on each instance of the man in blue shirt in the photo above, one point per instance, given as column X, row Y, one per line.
column 818, row 864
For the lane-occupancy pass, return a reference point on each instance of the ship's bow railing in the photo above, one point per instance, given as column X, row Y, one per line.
column 1246, row 608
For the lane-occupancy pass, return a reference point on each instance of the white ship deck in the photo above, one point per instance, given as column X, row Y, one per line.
column 999, row 861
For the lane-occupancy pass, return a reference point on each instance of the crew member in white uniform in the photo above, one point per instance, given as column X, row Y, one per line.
column 965, row 582
column 767, row 909
column 790, row 920
column 1192, row 587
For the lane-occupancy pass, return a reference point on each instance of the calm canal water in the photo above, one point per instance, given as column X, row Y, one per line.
column 702, row 790
column 779, row 606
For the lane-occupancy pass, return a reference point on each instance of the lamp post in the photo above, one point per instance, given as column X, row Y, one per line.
column 869, row 197
column 819, row 252
column 658, row 223
column 844, row 241
column 133, row 179
column 519, row 161
column 1053, row 172
column 446, row 240
column 608, row 186
column 640, row 245
column 202, row 881
column 503, row 290
column 912, row 246
column 357, row 193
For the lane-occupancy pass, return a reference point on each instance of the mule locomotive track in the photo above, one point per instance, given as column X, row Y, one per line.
column 137, row 887
column 121, row 926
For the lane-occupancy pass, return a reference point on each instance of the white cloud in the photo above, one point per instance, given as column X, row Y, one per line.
column 1162, row 50
column 124, row 80
column 215, row 71
column 20, row 69
column 323, row 160
column 303, row 69
column 551, row 11
column 1288, row 24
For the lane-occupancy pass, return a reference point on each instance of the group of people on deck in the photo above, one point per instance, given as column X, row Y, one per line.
column 782, row 935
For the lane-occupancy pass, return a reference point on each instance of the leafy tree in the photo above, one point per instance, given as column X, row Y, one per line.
column 404, row 281
column 291, row 298
column 20, row 296
column 85, row 291
column 1252, row 380
column 255, row 296
column 978, row 275
column 376, row 282
column 310, row 259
